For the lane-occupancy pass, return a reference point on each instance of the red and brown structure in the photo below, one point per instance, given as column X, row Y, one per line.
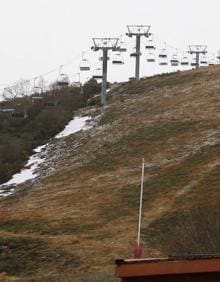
column 188, row 269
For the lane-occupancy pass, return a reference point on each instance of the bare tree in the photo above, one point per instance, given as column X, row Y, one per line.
column 21, row 88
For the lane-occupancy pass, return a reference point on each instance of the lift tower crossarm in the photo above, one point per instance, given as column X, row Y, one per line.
column 138, row 31
column 197, row 50
column 105, row 45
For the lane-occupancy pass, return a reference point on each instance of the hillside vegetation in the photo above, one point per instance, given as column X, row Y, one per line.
column 71, row 224
column 34, row 124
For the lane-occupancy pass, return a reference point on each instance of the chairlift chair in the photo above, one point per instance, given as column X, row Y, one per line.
column 84, row 64
column 163, row 63
column 63, row 80
column 218, row 57
column 174, row 61
column 212, row 62
column 37, row 90
column 97, row 74
column 122, row 46
column 50, row 103
column 193, row 63
column 101, row 59
column 131, row 78
column 134, row 53
column 163, row 57
column 184, row 61
column 118, row 59
column 204, row 61
column 19, row 114
column 150, row 45
column 163, row 54
column 151, row 58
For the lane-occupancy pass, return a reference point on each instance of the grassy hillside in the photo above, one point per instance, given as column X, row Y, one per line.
column 71, row 225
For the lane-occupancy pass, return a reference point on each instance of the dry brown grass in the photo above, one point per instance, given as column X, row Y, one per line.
column 88, row 207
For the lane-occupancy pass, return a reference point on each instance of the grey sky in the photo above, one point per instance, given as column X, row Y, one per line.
column 39, row 35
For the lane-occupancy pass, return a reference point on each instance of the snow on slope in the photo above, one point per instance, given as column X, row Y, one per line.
column 29, row 172
column 76, row 124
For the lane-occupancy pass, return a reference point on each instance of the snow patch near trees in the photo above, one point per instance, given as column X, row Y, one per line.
column 30, row 171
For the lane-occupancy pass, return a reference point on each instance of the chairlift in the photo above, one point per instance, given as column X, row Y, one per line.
column 19, row 114
column 97, row 74
column 184, row 61
column 134, row 53
column 163, row 57
column 163, row 54
column 151, row 58
column 36, row 89
column 193, row 62
column 204, row 61
column 132, row 78
column 84, row 64
column 50, row 103
column 150, row 45
column 101, row 59
column 63, row 80
column 118, row 59
column 122, row 46
column 37, row 100
column 211, row 62
column 218, row 57
column 174, row 61
column 163, row 63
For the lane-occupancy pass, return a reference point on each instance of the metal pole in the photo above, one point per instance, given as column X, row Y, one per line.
column 141, row 204
column 104, row 76
column 197, row 59
column 137, row 63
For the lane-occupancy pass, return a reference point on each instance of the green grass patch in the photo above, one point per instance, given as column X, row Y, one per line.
column 44, row 227
column 25, row 256
column 170, row 180
column 195, row 231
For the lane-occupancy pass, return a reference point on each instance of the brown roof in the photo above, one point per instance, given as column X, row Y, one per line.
column 167, row 266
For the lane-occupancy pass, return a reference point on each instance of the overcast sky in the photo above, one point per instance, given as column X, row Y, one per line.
column 39, row 35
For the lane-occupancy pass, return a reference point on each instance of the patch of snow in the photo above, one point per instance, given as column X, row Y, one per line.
column 75, row 125
column 29, row 172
